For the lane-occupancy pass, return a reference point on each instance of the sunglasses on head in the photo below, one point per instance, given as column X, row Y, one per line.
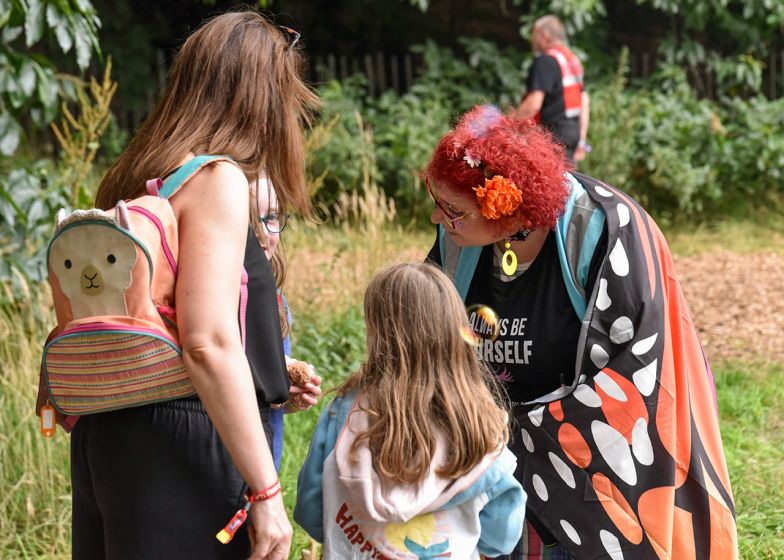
column 292, row 36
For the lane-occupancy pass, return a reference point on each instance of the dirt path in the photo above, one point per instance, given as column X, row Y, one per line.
column 737, row 302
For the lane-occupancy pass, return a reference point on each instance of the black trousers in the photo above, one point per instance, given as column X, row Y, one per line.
column 154, row 482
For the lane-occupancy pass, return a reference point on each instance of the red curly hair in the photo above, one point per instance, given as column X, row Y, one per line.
column 485, row 143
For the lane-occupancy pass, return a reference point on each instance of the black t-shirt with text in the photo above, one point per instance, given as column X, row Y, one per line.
column 536, row 349
column 545, row 75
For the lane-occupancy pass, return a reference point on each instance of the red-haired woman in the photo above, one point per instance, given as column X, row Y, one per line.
column 616, row 430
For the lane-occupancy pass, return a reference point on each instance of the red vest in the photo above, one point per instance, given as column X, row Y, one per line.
column 571, row 77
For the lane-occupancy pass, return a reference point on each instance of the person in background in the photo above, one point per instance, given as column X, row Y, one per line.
column 556, row 97
column 410, row 459
column 272, row 221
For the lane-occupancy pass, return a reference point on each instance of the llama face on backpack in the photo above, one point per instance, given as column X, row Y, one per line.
column 112, row 276
column 92, row 263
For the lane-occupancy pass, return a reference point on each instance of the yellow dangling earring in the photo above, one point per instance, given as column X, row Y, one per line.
column 509, row 260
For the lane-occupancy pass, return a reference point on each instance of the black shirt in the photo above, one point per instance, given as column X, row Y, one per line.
column 545, row 75
column 536, row 349
column 263, row 339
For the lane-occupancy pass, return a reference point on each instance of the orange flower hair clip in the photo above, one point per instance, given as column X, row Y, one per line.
column 499, row 197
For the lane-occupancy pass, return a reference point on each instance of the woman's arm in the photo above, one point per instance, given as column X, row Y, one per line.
column 212, row 213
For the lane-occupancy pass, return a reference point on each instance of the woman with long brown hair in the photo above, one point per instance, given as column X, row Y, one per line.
column 410, row 459
column 159, row 481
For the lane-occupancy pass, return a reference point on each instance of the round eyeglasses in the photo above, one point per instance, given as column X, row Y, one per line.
column 275, row 222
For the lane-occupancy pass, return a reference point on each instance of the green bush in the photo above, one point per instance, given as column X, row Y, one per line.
column 397, row 133
column 682, row 156
column 685, row 157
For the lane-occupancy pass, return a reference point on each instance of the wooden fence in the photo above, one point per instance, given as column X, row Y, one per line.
column 383, row 71
column 397, row 71
column 643, row 64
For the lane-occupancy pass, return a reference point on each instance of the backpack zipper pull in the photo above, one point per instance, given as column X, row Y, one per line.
column 48, row 420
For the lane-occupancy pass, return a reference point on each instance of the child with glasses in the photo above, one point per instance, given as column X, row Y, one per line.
column 410, row 459
column 271, row 222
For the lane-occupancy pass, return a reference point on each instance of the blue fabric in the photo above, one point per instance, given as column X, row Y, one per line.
column 504, row 513
column 466, row 263
column 308, row 512
column 277, row 414
column 185, row 171
column 561, row 231
column 276, row 422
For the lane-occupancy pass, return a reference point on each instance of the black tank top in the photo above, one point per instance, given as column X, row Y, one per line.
column 263, row 339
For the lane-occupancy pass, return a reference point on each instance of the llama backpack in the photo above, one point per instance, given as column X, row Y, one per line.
column 113, row 276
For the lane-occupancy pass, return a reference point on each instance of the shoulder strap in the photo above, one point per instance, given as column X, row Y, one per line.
column 188, row 170
column 458, row 263
column 577, row 233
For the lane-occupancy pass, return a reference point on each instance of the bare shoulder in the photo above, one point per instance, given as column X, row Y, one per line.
column 216, row 186
column 222, row 175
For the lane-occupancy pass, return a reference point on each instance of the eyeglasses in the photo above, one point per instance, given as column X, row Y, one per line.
column 292, row 36
column 449, row 214
column 275, row 223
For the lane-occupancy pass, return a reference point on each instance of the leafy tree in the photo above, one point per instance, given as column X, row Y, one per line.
column 29, row 85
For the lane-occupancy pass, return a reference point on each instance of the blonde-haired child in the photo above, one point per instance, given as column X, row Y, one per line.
column 409, row 461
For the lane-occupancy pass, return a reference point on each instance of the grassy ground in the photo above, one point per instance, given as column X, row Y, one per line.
column 329, row 268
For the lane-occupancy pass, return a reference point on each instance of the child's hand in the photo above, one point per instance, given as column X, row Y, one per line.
column 305, row 388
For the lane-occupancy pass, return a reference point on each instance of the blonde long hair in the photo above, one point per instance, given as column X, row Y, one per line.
column 234, row 89
column 421, row 377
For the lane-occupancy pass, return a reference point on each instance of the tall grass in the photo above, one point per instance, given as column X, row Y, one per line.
column 329, row 268
column 35, row 507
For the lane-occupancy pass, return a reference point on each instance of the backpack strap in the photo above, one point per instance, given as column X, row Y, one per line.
column 577, row 234
column 458, row 262
column 187, row 171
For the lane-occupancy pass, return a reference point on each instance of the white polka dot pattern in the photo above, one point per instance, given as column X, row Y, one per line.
column 611, row 544
column 642, row 346
column 615, row 451
column 641, row 443
column 601, row 191
column 587, row 396
column 619, row 262
column 645, row 378
column 603, row 300
column 539, row 487
column 562, row 469
column 570, row 532
column 623, row 214
column 527, row 441
column 606, row 383
column 622, row 330
column 599, row 356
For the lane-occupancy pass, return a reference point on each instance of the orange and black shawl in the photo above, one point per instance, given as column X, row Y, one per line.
column 630, row 464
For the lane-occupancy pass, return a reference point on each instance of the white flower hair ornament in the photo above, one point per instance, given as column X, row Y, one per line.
column 471, row 160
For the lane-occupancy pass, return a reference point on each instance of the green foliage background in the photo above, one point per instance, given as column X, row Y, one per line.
column 685, row 156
